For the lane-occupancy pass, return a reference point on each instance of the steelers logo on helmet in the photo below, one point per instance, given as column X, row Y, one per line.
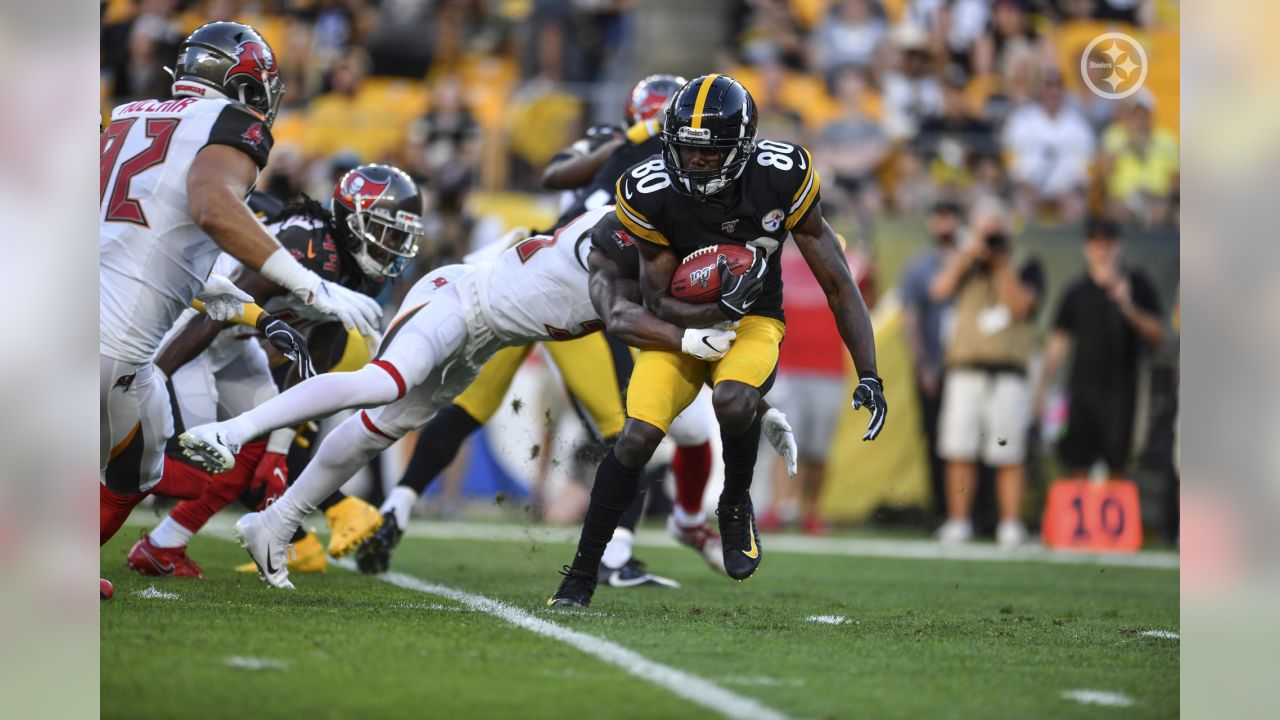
column 378, row 212
column 709, row 135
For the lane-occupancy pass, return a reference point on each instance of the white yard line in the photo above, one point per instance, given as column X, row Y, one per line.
column 244, row 662
column 690, row 687
column 1166, row 634
column 797, row 544
column 1098, row 697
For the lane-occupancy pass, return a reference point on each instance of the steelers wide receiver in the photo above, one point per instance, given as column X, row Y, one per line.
column 716, row 183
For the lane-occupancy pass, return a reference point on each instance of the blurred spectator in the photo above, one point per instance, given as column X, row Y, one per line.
column 1050, row 146
column 923, row 320
column 135, row 53
column 952, row 144
column 1009, row 32
column 810, row 388
column 850, row 148
column 1139, row 166
column 851, row 35
column 767, row 29
column 954, row 26
column 444, row 143
column 911, row 91
column 1110, row 316
column 986, row 401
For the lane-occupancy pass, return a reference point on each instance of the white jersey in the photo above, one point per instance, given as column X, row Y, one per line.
column 153, row 257
column 537, row 289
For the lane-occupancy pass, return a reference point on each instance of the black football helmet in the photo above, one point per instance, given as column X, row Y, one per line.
column 650, row 96
column 712, row 112
column 377, row 210
column 230, row 60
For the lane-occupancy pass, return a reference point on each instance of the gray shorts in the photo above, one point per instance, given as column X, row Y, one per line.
column 812, row 404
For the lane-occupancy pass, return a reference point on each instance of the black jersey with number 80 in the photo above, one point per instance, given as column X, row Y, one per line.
column 776, row 192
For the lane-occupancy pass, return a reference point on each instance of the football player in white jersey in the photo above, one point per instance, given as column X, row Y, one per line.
column 451, row 321
column 174, row 176
column 217, row 370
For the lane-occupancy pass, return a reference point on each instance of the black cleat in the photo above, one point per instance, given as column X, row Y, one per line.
column 633, row 574
column 741, row 540
column 575, row 590
column 374, row 555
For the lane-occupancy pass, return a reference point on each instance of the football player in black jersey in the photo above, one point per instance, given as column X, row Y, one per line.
column 596, row 371
column 374, row 229
column 713, row 183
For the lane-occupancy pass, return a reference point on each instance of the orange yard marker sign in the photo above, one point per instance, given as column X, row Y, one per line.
column 1094, row 516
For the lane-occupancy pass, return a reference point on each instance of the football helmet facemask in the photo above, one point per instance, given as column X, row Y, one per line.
column 377, row 210
column 232, row 61
column 711, row 114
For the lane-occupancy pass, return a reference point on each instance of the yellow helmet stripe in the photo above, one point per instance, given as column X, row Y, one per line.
column 700, row 104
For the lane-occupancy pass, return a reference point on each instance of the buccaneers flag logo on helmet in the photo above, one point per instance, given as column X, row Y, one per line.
column 366, row 188
column 253, row 59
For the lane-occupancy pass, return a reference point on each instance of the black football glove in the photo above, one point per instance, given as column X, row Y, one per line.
column 739, row 292
column 289, row 342
column 870, row 393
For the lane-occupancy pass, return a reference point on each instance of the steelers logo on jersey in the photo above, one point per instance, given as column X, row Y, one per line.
column 772, row 221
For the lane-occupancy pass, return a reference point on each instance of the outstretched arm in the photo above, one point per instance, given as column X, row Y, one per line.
column 821, row 250
column 657, row 266
column 576, row 170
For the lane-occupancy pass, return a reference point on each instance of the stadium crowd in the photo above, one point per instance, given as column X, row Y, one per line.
column 969, row 113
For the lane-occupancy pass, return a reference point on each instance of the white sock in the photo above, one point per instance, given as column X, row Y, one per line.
column 400, row 502
column 341, row 454
column 618, row 551
column 688, row 520
column 316, row 397
column 170, row 534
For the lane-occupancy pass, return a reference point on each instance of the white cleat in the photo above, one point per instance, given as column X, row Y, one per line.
column 955, row 532
column 207, row 446
column 267, row 551
column 702, row 538
column 1010, row 534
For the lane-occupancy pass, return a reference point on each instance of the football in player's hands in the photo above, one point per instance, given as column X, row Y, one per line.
column 697, row 280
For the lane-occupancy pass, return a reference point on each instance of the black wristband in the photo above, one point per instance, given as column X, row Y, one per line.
column 871, row 375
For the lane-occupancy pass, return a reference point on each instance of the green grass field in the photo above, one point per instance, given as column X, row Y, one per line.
column 920, row 638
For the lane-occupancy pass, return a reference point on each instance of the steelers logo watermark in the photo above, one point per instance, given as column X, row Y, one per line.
column 1114, row 65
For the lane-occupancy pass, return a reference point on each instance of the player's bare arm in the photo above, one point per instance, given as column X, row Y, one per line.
column 617, row 298
column 657, row 266
column 577, row 170
column 217, row 184
column 821, row 250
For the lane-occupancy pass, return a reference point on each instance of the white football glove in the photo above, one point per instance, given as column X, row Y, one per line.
column 222, row 300
column 777, row 430
column 357, row 311
column 707, row 343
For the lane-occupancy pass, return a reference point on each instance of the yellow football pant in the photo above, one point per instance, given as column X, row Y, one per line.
column 594, row 374
column 664, row 382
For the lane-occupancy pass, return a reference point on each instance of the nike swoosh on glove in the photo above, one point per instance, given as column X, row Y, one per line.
column 777, row 431
column 870, row 394
column 707, row 343
column 739, row 292
column 289, row 342
column 222, row 300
